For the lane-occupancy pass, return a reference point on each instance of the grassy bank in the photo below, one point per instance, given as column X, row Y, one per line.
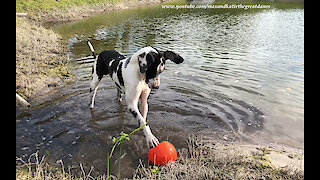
column 40, row 58
column 201, row 160
column 44, row 11
column 208, row 160
column 47, row 5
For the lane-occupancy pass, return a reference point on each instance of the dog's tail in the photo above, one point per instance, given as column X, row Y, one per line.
column 91, row 49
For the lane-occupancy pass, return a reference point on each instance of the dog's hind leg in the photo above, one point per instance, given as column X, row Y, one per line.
column 93, row 95
column 95, row 79
column 94, row 85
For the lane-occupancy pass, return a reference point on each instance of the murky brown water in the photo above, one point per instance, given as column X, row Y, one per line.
column 242, row 80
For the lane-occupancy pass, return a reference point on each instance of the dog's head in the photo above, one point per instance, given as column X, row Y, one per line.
column 153, row 61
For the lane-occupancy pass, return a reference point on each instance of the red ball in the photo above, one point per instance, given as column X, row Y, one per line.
column 162, row 154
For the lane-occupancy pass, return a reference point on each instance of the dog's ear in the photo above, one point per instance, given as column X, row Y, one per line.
column 151, row 57
column 172, row 56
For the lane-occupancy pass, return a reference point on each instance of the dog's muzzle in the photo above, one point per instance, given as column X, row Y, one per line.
column 155, row 83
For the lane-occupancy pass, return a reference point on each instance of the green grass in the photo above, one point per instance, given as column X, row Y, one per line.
column 47, row 5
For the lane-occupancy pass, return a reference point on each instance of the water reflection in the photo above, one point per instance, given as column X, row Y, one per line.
column 251, row 56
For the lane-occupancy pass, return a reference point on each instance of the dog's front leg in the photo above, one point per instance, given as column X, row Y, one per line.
column 144, row 102
column 152, row 141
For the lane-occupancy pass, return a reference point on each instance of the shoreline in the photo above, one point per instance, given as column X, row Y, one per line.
column 218, row 160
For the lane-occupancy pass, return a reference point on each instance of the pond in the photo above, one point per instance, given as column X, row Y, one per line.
column 242, row 81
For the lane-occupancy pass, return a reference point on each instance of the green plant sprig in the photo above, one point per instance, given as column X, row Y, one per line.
column 118, row 141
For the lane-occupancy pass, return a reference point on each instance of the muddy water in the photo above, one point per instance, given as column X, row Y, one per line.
column 242, row 80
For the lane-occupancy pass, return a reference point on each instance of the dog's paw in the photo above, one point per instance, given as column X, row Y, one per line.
column 152, row 141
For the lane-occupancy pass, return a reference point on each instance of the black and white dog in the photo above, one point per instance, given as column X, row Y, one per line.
column 133, row 76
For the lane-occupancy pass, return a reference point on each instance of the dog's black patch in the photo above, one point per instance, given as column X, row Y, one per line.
column 119, row 74
column 133, row 113
column 92, row 70
column 142, row 54
column 151, row 56
column 127, row 62
column 113, row 67
column 118, row 86
column 103, row 61
column 153, row 60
